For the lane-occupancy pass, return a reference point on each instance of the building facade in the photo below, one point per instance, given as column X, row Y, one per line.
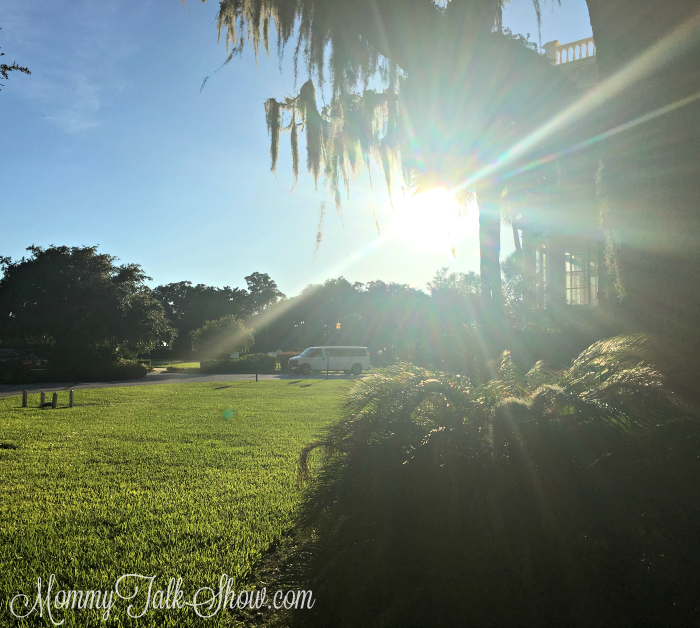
column 562, row 249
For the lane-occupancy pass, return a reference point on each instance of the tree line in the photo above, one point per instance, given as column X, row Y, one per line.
column 81, row 302
column 78, row 302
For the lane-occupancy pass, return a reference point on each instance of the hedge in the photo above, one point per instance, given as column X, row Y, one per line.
column 265, row 364
column 89, row 371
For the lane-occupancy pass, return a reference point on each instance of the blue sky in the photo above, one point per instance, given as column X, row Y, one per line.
column 111, row 142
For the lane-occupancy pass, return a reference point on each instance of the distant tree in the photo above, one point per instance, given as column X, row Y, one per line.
column 6, row 69
column 190, row 307
column 77, row 298
column 223, row 336
column 263, row 292
column 370, row 314
column 467, row 283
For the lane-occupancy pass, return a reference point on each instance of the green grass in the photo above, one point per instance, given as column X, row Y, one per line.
column 178, row 363
column 152, row 480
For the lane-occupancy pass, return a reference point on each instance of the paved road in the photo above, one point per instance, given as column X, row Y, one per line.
column 158, row 376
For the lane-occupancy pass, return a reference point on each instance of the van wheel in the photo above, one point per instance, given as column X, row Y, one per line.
column 305, row 369
column 356, row 369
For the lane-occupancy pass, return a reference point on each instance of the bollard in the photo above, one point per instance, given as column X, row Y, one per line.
column 70, row 398
column 24, row 399
column 42, row 398
column 54, row 401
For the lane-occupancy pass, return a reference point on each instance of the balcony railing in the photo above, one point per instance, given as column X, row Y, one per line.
column 576, row 50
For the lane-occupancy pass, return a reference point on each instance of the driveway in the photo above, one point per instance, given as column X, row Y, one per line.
column 158, row 376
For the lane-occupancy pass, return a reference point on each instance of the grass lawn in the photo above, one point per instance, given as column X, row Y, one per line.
column 151, row 480
column 179, row 363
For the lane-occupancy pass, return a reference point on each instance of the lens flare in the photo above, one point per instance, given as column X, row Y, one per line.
column 431, row 221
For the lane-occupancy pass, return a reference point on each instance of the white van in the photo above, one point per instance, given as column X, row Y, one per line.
column 348, row 359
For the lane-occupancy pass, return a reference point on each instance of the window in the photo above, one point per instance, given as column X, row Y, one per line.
column 347, row 352
column 581, row 270
column 316, row 353
column 541, row 274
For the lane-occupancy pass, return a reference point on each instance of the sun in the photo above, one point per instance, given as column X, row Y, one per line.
column 430, row 221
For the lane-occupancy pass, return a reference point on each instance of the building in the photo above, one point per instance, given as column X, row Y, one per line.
column 577, row 61
column 561, row 246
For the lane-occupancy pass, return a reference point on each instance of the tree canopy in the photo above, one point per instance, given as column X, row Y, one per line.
column 189, row 306
column 262, row 292
column 222, row 337
column 75, row 297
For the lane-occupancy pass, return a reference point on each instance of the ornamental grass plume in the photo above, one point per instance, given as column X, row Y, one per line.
column 545, row 499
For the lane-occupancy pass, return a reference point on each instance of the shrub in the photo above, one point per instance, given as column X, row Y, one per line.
column 248, row 364
column 146, row 363
column 225, row 335
column 123, row 369
column 510, row 503
column 92, row 371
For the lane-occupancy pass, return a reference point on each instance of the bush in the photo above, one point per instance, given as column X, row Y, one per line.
column 123, row 369
column 88, row 365
column 512, row 503
column 85, row 364
column 265, row 364
column 90, row 371
column 226, row 335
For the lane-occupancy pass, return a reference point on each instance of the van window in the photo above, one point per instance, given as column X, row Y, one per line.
column 315, row 353
column 346, row 352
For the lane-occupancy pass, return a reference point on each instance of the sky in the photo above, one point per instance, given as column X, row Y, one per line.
column 112, row 141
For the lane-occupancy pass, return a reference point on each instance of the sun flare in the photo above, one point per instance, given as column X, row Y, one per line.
column 431, row 221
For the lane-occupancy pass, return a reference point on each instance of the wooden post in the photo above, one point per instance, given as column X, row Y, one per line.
column 24, row 399
column 42, row 398
column 71, row 398
column 328, row 361
column 54, row 401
